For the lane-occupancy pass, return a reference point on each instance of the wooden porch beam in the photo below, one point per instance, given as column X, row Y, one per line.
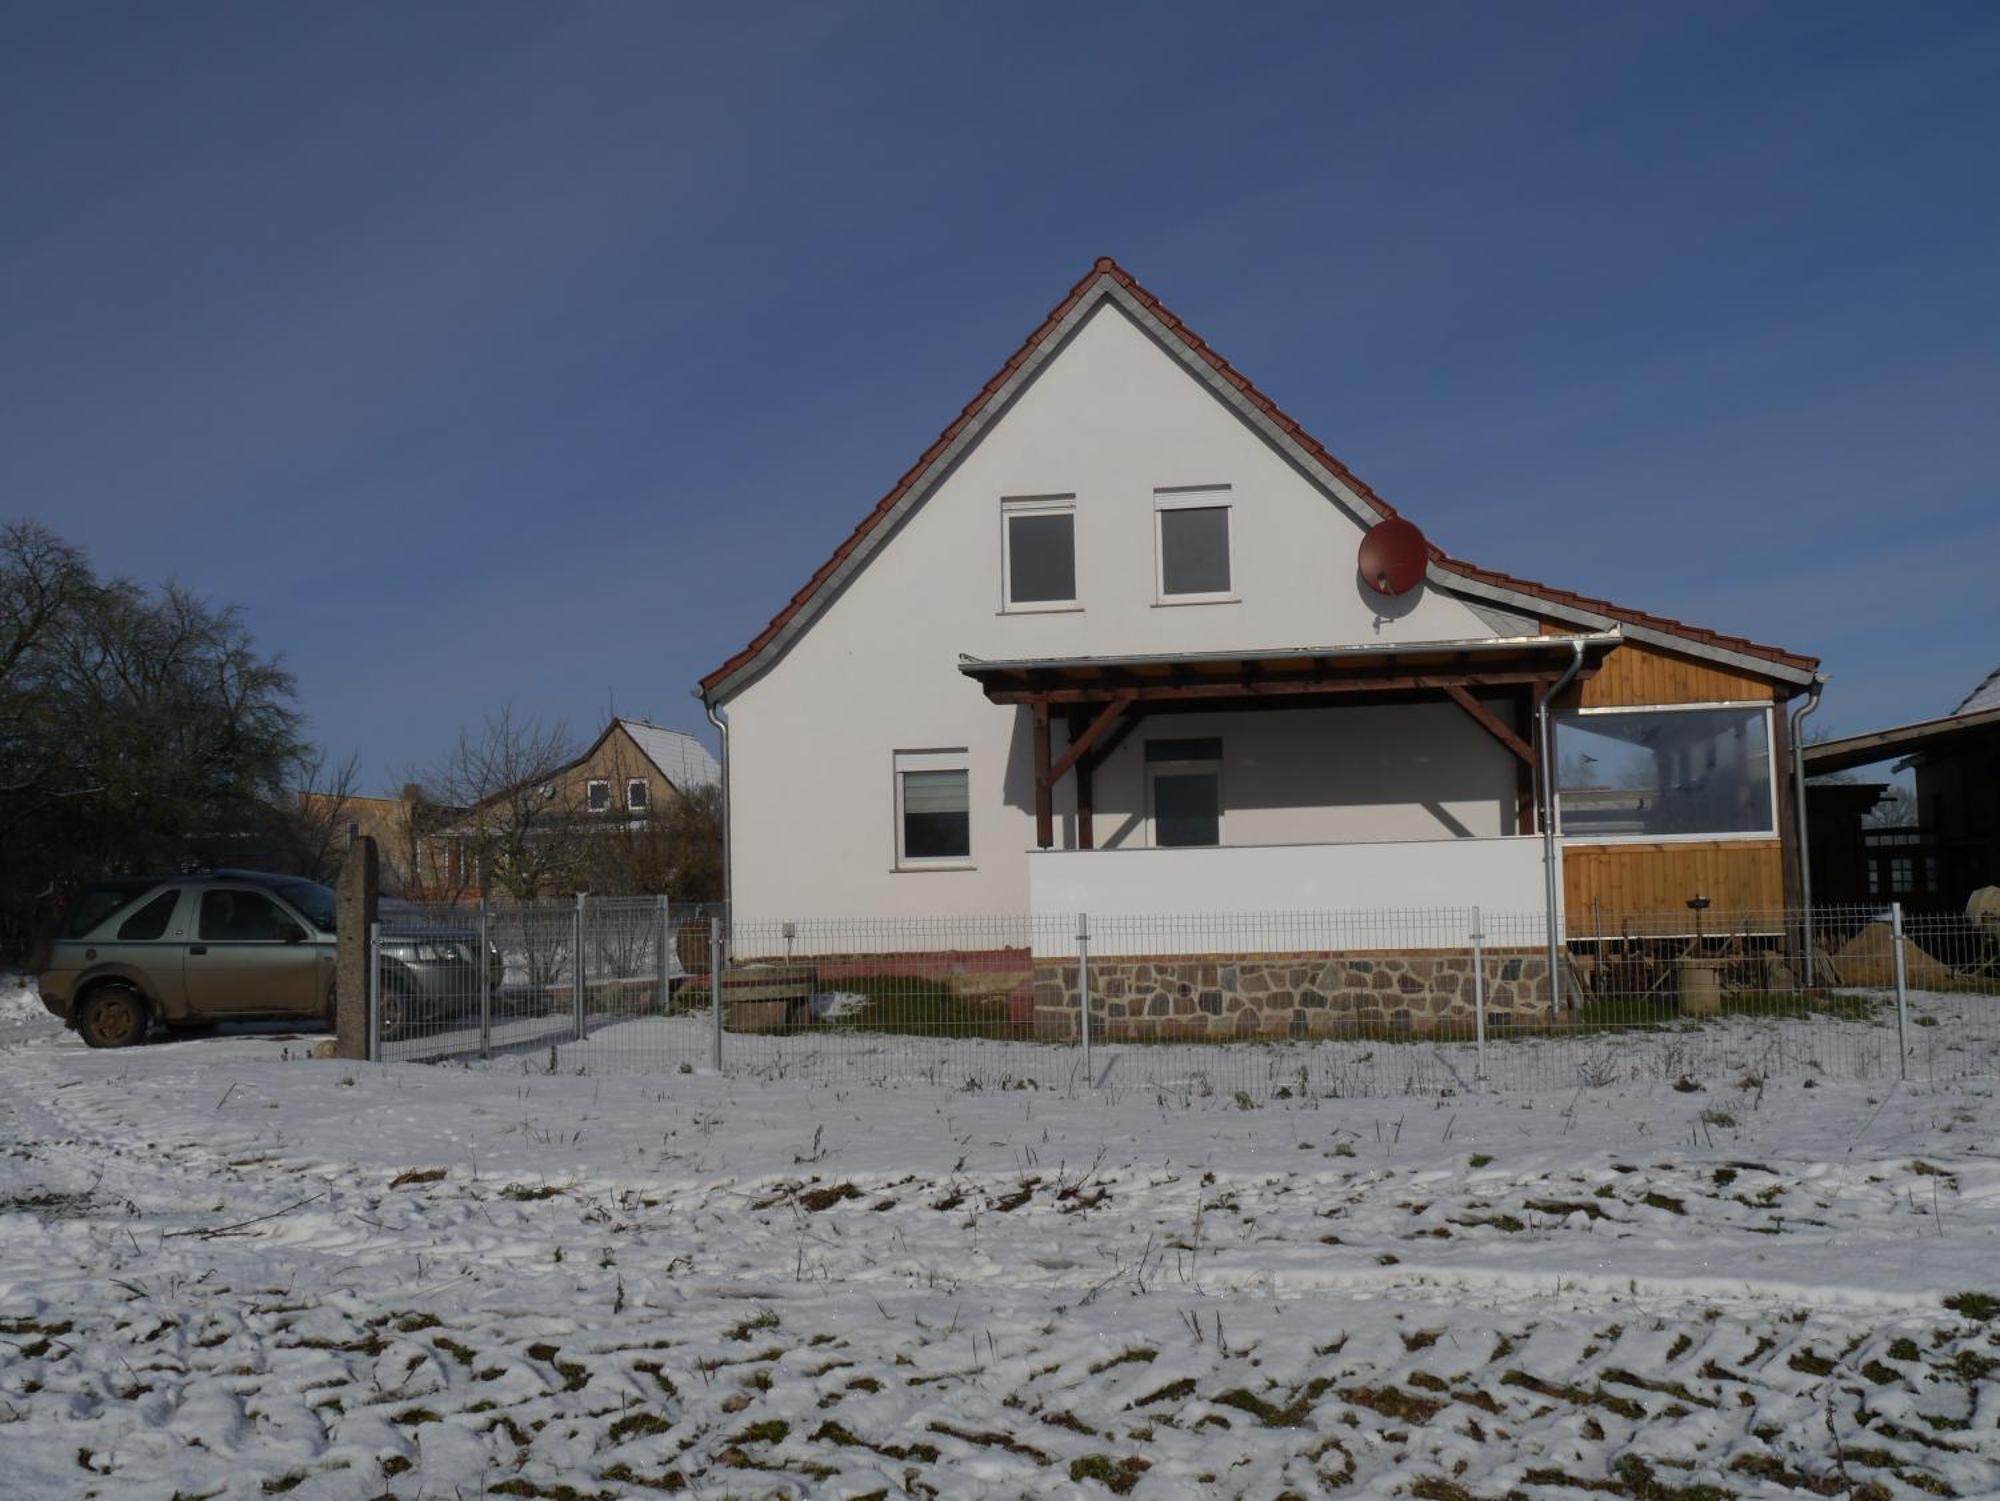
column 1492, row 723
column 1258, row 688
column 1082, row 743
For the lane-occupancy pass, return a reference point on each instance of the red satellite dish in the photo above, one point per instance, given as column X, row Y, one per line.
column 1392, row 556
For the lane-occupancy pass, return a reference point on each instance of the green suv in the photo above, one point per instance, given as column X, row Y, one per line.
column 235, row 945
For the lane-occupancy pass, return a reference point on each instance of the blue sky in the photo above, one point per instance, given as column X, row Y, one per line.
column 537, row 354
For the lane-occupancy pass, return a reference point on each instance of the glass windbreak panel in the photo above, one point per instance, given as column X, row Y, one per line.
column 1194, row 550
column 1041, row 558
column 240, row 917
column 1187, row 808
column 937, row 819
column 1651, row 772
column 150, row 921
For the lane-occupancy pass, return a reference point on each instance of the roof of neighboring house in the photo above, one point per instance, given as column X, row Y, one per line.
column 682, row 759
column 1960, row 728
column 1107, row 278
column 1985, row 696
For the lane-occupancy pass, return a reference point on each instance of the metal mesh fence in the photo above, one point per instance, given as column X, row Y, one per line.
column 1352, row 1003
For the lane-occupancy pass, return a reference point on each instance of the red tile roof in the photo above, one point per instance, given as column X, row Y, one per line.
column 1105, row 266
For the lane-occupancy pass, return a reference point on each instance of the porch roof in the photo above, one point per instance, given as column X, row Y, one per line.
column 1283, row 672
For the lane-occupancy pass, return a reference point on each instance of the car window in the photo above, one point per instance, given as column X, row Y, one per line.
column 241, row 917
column 316, row 901
column 95, row 903
column 150, row 921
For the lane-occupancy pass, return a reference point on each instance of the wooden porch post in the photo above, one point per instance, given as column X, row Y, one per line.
column 1788, row 810
column 1086, row 834
column 1524, row 772
column 1045, row 820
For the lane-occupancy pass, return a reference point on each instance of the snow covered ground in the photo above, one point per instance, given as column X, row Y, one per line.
column 227, row 1270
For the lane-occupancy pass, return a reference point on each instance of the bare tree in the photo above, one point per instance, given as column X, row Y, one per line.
column 318, row 821
column 502, row 799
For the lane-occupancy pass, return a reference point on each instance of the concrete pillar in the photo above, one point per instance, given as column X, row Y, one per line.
column 357, row 894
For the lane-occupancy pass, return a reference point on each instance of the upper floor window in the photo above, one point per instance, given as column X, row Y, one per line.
column 1193, row 549
column 1038, row 538
column 1660, row 772
column 597, row 796
column 638, row 795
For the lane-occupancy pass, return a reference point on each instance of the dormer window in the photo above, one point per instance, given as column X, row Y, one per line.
column 1038, row 546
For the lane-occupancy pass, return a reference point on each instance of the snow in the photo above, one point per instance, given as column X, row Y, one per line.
column 229, row 1270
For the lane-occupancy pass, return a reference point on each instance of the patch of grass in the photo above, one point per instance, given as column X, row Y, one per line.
column 993, row 1440
column 1129, row 1357
column 1116, row 1475
column 1624, row 1407
column 1173, row 1391
column 1663, row 1201
column 624, row 1474
column 816, row 1199
column 1810, row 1363
column 638, row 1425
column 1479, row 1159
column 1982, row 1306
column 528, row 1192
column 913, row 1006
column 764, row 1318
column 770, row 1431
column 1563, row 1208
column 417, row 1176
column 575, row 1374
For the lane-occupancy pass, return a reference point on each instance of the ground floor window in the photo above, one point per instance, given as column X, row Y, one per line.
column 933, row 808
column 1653, row 773
column 1184, row 791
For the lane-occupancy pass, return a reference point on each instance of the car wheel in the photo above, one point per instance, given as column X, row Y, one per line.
column 395, row 1013
column 113, row 1017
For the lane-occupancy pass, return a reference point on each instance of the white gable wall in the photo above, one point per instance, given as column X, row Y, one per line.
column 1111, row 418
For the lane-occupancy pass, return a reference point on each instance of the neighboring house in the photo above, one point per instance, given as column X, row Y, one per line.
column 1954, row 847
column 1107, row 646
column 631, row 769
column 630, row 773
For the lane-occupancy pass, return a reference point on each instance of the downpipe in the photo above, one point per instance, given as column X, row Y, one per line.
column 1549, row 818
column 1799, row 816
column 721, row 724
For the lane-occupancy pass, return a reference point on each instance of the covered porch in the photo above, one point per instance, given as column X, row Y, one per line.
column 1374, row 776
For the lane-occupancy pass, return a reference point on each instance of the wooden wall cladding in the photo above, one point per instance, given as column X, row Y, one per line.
column 1738, row 875
column 1635, row 674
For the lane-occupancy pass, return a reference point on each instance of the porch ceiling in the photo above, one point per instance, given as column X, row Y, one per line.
column 1294, row 672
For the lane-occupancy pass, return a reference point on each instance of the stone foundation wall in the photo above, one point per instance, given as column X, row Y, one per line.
column 1372, row 993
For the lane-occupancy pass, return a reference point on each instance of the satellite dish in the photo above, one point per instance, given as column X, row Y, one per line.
column 1392, row 556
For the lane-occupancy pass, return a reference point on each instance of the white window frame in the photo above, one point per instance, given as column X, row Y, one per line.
column 956, row 759
column 1739, row 837
column 590, row 795
column 1036, row 505
column 1193, row 498
column 1182, row 768
column 645, row 803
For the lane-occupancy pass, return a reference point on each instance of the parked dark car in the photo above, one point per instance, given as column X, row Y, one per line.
column 236, row 945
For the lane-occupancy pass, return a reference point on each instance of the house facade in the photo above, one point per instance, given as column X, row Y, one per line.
column 1108, row 646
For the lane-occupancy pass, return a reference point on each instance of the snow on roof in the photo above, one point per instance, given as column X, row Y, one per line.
column 682, row 759
column 1985, row 696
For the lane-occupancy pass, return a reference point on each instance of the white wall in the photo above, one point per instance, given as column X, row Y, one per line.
column 1111, row 418
column 1426, row 886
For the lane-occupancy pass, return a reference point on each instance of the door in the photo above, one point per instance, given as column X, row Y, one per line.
column 247, row 956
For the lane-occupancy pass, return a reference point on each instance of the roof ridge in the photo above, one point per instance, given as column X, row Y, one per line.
column 1106, row 266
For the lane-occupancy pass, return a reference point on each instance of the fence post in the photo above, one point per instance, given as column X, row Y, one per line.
column 715, row 984
column 375, row 992
column 1083, row 988
column 662, row 978
column 1479, row 987
column 484, row 959
column 1902, row 993
column 577, row 967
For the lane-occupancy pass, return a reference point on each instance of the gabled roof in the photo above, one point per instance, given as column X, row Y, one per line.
column 683, row 760
column 1108, row 281
column 1985, row 696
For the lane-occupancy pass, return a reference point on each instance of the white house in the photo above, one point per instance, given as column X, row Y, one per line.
column 1107, row 646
